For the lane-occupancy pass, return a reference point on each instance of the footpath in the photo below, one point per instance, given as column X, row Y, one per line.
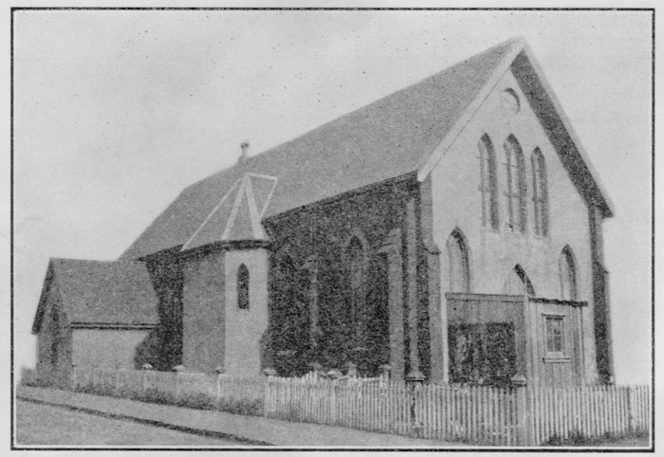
column 245, row 430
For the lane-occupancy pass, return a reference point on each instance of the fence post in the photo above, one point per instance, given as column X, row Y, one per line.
column 523, row 426
column 220, row 371
column 384, row 377
column 94, row 377
column 317, row 368
column 267, row 398
column 351, row 370
column 334, row 375
column 73, row 377
column 415, row 379
column 630, row 411
column 178, row 369
column 146, row 368
column 118, row 369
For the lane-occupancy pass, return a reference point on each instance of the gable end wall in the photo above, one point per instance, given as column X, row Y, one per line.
column 456, row 202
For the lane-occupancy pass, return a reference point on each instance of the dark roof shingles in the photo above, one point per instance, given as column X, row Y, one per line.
column 106, row 292
column 385, row 139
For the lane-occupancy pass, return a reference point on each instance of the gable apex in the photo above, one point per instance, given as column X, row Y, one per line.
column 521, row 60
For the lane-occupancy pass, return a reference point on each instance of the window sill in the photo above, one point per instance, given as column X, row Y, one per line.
column 556, row 359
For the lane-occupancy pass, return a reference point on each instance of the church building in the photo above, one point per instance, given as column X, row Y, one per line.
column 452, row 230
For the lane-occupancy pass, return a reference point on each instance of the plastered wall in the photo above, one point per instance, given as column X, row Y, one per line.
column 244, row 328
column 494, row 253
column 106, row 347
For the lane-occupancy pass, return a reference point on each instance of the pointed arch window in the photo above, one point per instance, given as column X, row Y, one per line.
column 540, row 193
column 517, row 187
column 567, row 274
column 489, row 183
column 243, row 287
column 518, row 283
column 55, row 337
column 459, row 268
column 357, row 279
column 309, row 278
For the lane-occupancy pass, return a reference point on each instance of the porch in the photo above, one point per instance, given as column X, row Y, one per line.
column 492, row 338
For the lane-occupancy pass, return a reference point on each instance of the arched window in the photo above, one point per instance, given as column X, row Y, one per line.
column 55, row 336
column 459, row 268
column 309, row 280
column 567, row 274
column 489, row 183
column 517, row 188
column 243, row 287
column 357, row 273
column 540, row 193
column 517, row 283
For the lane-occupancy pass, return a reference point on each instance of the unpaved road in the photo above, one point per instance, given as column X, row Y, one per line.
column 39, row 424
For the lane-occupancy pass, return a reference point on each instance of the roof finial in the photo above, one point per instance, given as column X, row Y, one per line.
column 245, row 151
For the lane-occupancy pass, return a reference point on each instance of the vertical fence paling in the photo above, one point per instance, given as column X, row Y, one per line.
column 591, row 411
column 453, row 412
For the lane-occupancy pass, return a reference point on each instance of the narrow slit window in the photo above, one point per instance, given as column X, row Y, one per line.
column 243, row 287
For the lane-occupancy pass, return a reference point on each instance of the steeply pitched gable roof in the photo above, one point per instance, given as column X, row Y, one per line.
column 385, row 139
column 106, row 293
column 403, row 133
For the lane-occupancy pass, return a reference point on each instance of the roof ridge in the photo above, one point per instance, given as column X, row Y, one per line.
column 247, row 162
column 381, row 140
column 72, row 260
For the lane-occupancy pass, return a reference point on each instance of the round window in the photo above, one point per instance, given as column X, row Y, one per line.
column 511, row 101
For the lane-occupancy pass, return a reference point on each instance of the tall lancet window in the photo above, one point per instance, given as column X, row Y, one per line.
column 489, row 183
column 243, row 287
column 458, row 265
column 540, row 193
column 517, row 187
column 567, row 273
column 357, row 267
column 518, row 283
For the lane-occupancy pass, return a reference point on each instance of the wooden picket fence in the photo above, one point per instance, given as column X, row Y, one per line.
column 589, row 411
column 446, row 412
column 485, row 415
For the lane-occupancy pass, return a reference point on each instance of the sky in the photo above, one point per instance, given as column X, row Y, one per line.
column 115, row 112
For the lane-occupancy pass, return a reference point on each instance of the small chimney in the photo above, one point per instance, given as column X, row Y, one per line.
column 245, row 151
